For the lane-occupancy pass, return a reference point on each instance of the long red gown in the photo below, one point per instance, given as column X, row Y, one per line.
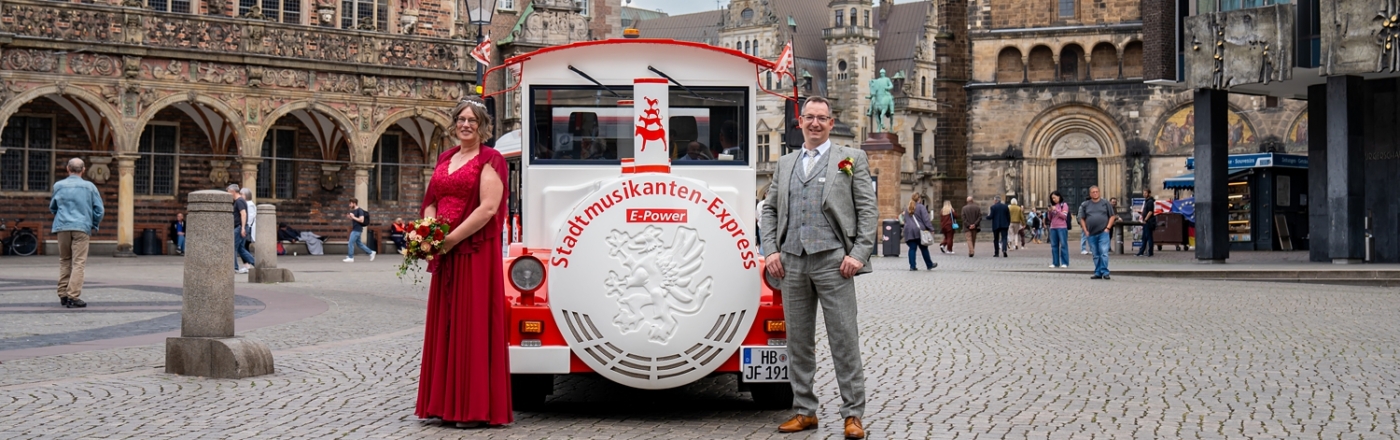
column 466, row 370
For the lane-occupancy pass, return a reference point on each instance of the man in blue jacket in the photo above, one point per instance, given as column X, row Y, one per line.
column 77, row 209
column 1000, row 216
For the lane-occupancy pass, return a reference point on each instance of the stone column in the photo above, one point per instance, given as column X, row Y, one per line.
column 1212, row 179
column 885, row 153
column 207, row 345
column 1319, row 219
column 362, row 191
column 126, row 204
column 266, row 270
column 250, row 174
column 1346, row 171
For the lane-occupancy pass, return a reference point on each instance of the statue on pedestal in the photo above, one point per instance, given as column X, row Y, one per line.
column 881, row 103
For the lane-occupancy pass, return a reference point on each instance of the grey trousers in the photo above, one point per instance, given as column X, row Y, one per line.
column 814, row 279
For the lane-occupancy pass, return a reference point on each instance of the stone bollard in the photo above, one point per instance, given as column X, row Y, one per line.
column 265, row 253
column 207, row 345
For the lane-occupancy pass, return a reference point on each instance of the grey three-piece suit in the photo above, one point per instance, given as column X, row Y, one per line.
column 815, row 221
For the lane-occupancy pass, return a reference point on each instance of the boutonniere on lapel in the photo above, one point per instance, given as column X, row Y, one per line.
column 846, row 166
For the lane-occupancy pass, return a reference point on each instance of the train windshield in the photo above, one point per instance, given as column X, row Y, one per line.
column 586, row 125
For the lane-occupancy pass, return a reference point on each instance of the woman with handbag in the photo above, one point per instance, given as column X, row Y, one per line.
column 947, row 224
column 918, row 233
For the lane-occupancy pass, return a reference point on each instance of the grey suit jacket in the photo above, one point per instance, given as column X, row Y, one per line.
column 847, row 201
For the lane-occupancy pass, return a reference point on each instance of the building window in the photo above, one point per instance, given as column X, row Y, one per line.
column 27, row 164
column 180, row 6
column 384, row 177
column 277, row 174
column 764, row 148
column 155, row 168
column 853, row 18
column 755, row 47
column 923, row 86
column 285, row 11
column 747, row 14
column 363, row 14
column 839, row 18
column 582, row 7
column 918, row 149
column 508, row 5
column 1066, row 8
column 867, row 18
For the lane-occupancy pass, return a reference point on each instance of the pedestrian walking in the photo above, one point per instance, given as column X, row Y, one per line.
column 1096, row 220
column 947, row 224
column 1000, row 216
column 1018, row 224
column 1033, row 219
column 358, row 219
column 77, row 211
column 1058, row 223
column 916, row 223
column 1149, row 222
column 818, row 262
column 465, row 378
column 177, row 232
column 972, row 223
column 252, row 218
column 240, row 230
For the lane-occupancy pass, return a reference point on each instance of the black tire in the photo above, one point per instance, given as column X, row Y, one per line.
column 772, row 395
column 24, row 244
column 528, row 391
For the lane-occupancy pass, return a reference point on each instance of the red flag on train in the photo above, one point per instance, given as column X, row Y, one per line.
column 784, row 63
column 482, row 52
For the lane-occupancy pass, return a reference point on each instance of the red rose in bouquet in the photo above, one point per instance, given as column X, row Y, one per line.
column 422, row 243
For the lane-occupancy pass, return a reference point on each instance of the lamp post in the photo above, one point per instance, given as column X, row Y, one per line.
column 480, row 13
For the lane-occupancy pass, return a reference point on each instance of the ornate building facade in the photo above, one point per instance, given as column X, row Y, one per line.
column 309, row 104
column 1057, row 101
column 839, row 46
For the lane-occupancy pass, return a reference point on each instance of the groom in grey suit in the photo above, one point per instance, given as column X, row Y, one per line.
column 820, row 219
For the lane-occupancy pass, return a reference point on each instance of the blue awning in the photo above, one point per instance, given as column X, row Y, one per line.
column 1188, row 180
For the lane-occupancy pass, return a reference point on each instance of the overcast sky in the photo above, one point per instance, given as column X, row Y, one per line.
column 677, row 7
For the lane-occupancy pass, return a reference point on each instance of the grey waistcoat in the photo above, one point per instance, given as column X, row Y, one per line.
column 807, row 228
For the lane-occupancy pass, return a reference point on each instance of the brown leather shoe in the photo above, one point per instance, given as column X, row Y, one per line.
column 798, row 423
column 854, row 428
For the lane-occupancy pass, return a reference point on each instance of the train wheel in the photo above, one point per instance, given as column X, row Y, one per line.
column 528, row 391
column 772, row 395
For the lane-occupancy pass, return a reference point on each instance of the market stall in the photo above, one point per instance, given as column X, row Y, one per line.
column 1267, row 200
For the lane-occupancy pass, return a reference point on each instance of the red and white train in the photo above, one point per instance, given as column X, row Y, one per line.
column 638, row 257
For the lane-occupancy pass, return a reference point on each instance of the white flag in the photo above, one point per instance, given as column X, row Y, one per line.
column 784, row 63
column 482, row 52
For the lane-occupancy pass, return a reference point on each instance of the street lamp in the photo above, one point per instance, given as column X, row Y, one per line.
column 480, row 12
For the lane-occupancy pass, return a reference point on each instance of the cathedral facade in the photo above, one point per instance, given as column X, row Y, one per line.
column 1057, row 101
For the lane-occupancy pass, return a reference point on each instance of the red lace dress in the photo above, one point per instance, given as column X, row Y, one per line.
column 466, row 371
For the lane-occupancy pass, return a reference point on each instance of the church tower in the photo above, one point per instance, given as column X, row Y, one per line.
column 850, row 39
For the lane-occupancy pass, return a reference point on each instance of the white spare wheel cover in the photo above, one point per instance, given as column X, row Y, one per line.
column 654, row 281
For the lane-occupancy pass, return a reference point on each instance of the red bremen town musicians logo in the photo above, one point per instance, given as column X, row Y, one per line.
column 651, row 117
column 662, row 280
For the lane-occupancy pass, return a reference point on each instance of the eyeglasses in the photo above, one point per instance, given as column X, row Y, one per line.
column 466, row 121
column 809, row 118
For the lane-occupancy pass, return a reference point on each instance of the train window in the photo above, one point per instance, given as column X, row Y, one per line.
column 585, row 125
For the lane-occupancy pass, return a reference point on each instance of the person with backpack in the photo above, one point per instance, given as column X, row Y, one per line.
column 358, row 219
column 1059, row 230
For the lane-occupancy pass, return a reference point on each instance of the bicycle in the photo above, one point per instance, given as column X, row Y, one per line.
column 22, row 241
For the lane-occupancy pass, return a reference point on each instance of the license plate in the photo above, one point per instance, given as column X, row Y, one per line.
column 764, row 364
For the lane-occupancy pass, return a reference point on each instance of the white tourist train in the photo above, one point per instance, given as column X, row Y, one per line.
column 637, row 256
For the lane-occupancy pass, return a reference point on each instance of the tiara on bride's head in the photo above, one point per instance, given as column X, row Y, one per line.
column 475, row 103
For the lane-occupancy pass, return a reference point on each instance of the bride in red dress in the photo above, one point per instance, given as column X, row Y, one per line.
column 466, row 372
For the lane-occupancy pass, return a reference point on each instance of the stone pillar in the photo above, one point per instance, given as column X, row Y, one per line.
column 885, row 154
column 126, row 204
column 250, row 174
column 1346, row 171
column 362, row 192
column 1212, row 179
column 266, row 270
column 1319, row 217
column 207, row 345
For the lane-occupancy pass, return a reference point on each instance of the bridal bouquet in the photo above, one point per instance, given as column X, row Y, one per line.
column 422, row 242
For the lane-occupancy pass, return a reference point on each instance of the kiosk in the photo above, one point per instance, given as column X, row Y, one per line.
column 1268, row 200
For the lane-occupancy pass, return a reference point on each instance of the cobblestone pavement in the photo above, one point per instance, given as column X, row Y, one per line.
column 965, row 351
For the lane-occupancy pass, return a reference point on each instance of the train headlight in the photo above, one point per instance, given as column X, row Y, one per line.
column 531, row 327
column 527, row 273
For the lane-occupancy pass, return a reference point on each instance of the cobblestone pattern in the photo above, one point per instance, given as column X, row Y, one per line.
column 960, row 353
